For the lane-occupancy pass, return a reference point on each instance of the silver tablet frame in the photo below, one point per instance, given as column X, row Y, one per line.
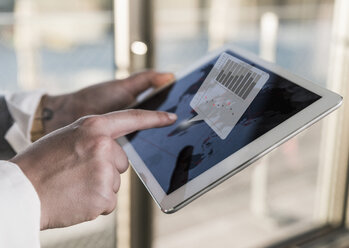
column 245, row 156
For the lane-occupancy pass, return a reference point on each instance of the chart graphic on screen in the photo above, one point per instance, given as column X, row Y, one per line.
column 226, row 93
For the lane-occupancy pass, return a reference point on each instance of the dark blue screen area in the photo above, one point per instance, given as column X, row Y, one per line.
column 179, row 153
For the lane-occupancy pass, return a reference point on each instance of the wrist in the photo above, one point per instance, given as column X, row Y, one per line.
column 53, row 112
column 57, row 112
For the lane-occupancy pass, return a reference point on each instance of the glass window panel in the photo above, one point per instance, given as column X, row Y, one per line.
column 277, row 196
column 40, row 45
column 59, row 46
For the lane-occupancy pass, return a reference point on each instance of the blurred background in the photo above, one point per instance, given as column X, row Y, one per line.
column 294, row 197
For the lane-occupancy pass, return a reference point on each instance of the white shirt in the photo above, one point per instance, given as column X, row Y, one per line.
column 19, row 202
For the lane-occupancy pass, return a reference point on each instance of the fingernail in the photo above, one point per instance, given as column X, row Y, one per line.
column 169, row 76
column 172, row 116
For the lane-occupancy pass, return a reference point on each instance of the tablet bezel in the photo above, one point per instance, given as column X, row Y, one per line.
column 242, row 158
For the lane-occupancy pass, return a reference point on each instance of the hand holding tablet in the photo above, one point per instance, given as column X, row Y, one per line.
column 232, row 108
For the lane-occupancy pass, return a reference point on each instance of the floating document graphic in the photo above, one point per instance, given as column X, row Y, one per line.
column 226, row 93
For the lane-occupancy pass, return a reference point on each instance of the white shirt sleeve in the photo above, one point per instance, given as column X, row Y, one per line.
column 19, row 209
column 19, row 204
column 22, row 107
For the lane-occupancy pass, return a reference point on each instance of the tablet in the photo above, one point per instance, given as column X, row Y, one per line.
column 232, row 109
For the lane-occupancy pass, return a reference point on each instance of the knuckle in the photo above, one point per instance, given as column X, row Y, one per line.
column 146, row 73
column 117, row 183
column 94, row 209
column 149, row 73
column 123, row 160
column 92, row 215
column 95, row 121
column 103, row 204
column 102, row 172
column 110, row 204
column 102, row 143
column 102, row 199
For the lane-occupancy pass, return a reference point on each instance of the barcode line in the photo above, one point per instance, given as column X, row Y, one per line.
column 249, row 90
column 227, row 64
column 248, row 83
column 219, row 75
column 231, row 78
column 242, row 85
column 241, row 81
column 238, row 78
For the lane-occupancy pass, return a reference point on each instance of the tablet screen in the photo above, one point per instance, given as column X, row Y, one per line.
column 181, row 152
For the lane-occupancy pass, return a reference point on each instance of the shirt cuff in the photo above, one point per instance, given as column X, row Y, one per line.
column 19, row 208
column 22, row 107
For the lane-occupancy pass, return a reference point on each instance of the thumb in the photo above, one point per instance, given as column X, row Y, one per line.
column 121, row 123
column 142, row 81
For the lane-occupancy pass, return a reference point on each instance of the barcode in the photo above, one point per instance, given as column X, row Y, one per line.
column 238, row 78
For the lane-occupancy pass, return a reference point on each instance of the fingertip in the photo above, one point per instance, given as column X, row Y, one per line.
column 161, row 79
column 167, row 75
column 172, row 116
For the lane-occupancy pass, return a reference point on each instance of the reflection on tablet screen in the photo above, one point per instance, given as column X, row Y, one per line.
column 179, row 153
column 226, row 93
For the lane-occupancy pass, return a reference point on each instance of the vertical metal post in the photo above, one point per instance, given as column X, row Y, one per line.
column 259, row 182
column 134, row 51
column 141, row 25
column 141, row 202
column 217, row 25
column 26, row 44
column 334, row 156
column 122, row 63
column 122, row 37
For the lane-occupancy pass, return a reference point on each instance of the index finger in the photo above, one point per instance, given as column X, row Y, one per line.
column 124, row 122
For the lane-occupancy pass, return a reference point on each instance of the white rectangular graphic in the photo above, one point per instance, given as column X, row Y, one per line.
column 226, row 93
